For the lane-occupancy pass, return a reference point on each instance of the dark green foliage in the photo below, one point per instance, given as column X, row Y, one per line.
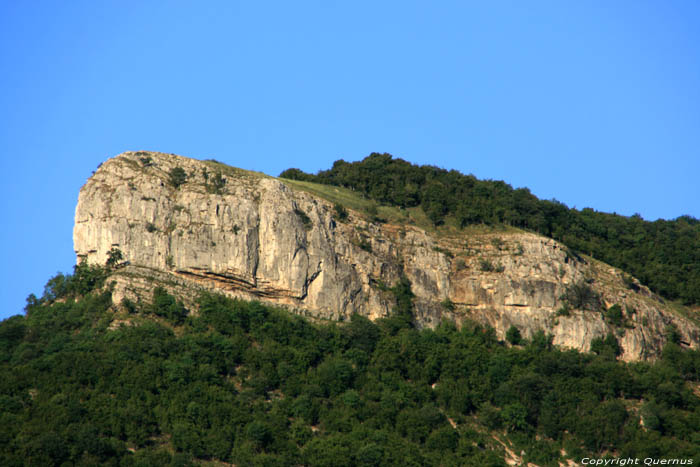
column 614, row 315
column 151, row 227
column 513, row 335
column 333, row 377
column 447, row 304
column 114, row 256
column 362, row 334
column 372, row 210
column 146, row 161
column 581, row 296
column 672, row 334
column 490, row 416
column 340, row 212
column 444, row 251
column 486, row 266
column 217, row 185
column 663, row 254
column 178, row 176
column 167, row 306
column 515, row 417
column 629, row 282
column 246, row 384
column 297, row 174
column 305, row 219
column 364, row 243
column 404, row 298
column 85, row 278
column 608, row 347
column 259, row 433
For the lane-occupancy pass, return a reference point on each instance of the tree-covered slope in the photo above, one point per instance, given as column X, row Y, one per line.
column 663, row 254
column 153, row 384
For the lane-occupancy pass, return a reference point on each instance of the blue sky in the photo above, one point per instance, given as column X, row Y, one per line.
column 595, row 103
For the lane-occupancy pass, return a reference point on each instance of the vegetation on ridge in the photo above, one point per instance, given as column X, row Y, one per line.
column 663, row 254
column 252, row 385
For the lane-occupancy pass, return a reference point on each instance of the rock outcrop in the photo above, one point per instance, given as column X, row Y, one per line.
column 252, row 236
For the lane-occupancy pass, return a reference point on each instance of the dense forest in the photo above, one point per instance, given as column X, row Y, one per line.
column 665, row 255
column 252, row 385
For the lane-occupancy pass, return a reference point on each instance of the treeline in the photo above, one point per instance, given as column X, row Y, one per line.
column 663, row 254
column 251, row 385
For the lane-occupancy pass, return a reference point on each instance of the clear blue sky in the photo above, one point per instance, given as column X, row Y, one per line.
column 595, row 103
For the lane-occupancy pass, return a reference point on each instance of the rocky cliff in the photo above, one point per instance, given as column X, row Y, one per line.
column 252, row 236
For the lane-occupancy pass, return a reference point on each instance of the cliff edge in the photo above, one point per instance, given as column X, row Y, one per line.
column 192, row 225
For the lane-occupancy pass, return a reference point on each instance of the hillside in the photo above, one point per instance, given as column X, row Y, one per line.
column 218, row 316
column 327, row 253
column 665, row 255
column 240, row 383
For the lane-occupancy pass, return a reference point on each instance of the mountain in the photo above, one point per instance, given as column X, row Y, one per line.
column 326, row 252
column 178, row 341
column 664, row 254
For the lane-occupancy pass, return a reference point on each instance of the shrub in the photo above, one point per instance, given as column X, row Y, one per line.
column 513, row 335
column 85, row 279
column 372, row 210
column 564, row 310
column 490, row 416
column 461, row 265
column 447, row 304
column 167, row 306
column 151, row 227
column 614, row 315
column 581, row 296
column 259, row 434
column 370, row 454
column 519, row 250
column 114, row 256
column 306, row 220
column 178, row 176
column 444, row 251
column 629, row 282
column 486, row 265
column 341, row 213
column 404, row 295
column 608, row 347
column 218, row 182
column 672, row 334
column 364, row 244
column 297, row 174
column 515, row 416
column 497, row 242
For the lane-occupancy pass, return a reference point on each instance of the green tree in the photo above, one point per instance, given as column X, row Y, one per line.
column 114, row 256
column 178, row 176
column 515, row 417
column 614, row 315
column 513, row 335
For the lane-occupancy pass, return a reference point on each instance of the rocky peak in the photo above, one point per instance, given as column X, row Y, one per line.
column 194, row 225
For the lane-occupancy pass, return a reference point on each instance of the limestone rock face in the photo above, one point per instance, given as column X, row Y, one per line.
column 252, row 236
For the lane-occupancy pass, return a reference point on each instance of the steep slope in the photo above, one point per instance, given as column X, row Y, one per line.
column 257, row 237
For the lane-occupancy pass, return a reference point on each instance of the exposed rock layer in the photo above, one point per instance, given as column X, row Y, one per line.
column 254, row 237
